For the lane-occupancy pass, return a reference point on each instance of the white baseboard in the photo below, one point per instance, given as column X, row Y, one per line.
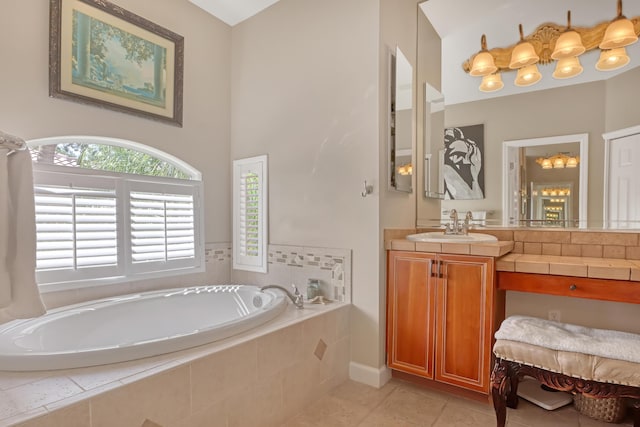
column 370, row 376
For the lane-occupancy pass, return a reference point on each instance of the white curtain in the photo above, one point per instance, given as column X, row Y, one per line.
column 19, row 294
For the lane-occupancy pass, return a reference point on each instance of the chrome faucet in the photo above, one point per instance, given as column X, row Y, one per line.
column 467, row 223
column 295, row 297
column 455, row 227
column 452, row 227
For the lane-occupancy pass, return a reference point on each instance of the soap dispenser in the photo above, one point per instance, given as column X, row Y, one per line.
column 313, row 288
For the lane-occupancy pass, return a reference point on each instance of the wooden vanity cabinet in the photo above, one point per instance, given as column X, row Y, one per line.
column 441, row 317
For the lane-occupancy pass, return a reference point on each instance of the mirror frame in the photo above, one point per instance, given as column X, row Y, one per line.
column 507, row 146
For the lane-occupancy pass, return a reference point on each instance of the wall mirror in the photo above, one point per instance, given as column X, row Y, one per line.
column 401, row 164
column 589, row 107
column 545, row 181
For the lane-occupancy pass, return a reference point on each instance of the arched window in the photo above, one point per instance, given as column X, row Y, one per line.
column 111, row 210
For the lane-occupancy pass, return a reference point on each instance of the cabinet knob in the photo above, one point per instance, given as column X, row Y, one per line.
column 572, row 287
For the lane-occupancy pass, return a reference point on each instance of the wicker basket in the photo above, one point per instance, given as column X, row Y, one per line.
column 609, row 409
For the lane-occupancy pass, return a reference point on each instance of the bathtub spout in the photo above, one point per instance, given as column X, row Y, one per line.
column 295, row 297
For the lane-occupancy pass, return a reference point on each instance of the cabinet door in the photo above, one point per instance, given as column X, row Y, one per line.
column 464, row 321
column 410, row 313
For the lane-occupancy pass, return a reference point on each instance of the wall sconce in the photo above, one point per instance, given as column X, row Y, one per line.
column 552, row 42
column 558, row 161
column 523, row 54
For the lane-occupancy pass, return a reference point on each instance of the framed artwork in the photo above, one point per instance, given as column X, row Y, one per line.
column 103, row 55
column 462, row 168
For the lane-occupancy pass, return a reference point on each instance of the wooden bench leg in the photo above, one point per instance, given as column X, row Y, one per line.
column 635, row 408
column 504, row 388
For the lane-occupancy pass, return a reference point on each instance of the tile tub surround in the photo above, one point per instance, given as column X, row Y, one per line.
column 261, row 377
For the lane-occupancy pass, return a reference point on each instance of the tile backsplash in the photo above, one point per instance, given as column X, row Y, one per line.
column 563, row 242
column 289, row 265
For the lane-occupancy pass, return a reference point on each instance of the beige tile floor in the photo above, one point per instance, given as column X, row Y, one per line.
column 399, row 404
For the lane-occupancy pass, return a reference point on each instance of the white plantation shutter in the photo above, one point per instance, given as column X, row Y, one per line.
column 119, row 226
column 76, row 227
column 250, row 214
column 163, row 225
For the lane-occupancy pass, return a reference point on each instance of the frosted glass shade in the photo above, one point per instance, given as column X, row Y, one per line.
column 568, row 44
column 491, row 83
column 558, row 162
column 619, row 33
column 567, row 67
column 483, row 64
column 523, row 55
column 527, row 76
column 612, row 59
column 572, row 162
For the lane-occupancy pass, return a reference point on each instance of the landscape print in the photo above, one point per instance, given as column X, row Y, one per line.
column 111, row 60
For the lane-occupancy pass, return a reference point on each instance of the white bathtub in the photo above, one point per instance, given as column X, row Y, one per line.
column 134, row 326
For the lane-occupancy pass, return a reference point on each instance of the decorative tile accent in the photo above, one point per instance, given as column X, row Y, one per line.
column 332, row 267
column 321, row 348
column 217, row 252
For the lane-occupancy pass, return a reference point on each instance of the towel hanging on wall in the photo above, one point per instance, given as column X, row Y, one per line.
column 19, row 294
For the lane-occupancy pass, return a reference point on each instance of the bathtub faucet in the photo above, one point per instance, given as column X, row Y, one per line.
column 295, row 297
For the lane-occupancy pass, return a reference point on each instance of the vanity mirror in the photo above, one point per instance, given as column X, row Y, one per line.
column 587, row 106
column 401, row 164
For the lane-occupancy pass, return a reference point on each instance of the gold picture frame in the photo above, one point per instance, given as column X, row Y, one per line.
column 103, row 55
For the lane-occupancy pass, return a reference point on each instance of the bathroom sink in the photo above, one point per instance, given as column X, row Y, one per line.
column 440, row 237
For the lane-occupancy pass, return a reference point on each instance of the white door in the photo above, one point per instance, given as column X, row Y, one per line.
column 622, row 202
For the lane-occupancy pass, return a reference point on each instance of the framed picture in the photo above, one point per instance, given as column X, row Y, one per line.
column 462, row 166
column 103, row 55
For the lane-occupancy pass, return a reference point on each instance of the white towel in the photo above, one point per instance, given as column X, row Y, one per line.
column 19, row 294
column 566, row 337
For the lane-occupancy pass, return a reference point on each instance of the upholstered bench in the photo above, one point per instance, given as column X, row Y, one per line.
column 595, row 362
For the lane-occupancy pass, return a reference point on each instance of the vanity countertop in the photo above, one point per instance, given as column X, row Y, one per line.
column 493, row 249
column 595, row 268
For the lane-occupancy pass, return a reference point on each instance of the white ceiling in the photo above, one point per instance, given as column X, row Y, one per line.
column 499, row 19
column 233, row 11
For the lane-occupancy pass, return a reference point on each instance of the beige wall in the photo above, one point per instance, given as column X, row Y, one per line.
column 623, row 93
column 203, row 141
column 305, row 92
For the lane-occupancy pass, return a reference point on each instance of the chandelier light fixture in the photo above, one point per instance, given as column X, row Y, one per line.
column 558, row 161
column 556, row 191
column 555, row 43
